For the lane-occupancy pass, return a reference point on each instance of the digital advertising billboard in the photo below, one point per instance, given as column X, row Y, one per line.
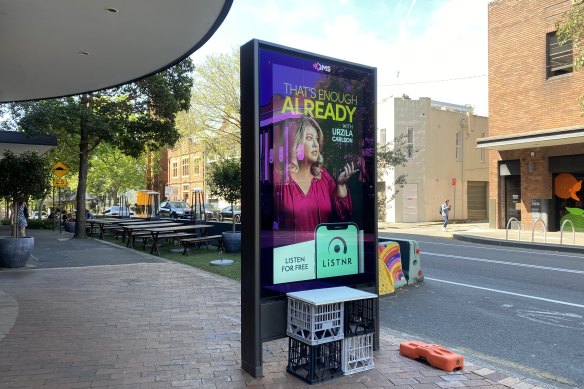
column 316, row 171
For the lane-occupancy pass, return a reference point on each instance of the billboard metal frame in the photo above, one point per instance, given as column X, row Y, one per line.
column 264, row 319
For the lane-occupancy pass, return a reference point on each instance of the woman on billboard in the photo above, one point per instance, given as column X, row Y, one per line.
column 309, row 195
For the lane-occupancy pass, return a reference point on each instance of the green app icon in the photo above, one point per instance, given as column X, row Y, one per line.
column 337, row 249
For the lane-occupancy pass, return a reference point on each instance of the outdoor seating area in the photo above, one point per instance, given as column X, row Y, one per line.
column 199, row 240
column 153, row 233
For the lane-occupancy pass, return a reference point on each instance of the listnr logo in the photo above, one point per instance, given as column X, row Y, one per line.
column 320, row 67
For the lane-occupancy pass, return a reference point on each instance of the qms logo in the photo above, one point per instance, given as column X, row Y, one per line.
column 320, row 67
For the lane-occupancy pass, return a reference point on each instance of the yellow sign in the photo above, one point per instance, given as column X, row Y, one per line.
column 60, row 169
column 59, row 182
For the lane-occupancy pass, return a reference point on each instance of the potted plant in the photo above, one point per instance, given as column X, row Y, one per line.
column 21, row 177
column 225, row 182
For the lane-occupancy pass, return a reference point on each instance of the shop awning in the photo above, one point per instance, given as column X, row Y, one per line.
column 528, row 140
column 18, row 143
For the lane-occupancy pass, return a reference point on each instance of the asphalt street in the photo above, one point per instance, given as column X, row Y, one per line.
column 518, row 309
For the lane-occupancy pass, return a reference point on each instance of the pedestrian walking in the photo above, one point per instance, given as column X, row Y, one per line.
column 22, row 218
column 445, row 210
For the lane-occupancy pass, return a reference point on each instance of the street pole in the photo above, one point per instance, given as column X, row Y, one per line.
column 53, row 209
column 61, row 213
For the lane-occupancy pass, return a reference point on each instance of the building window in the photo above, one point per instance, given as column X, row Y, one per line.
column 185, row 166
column 483, row 151
column 559, row 59
column 196, row 163
column 174, row 169
column 459, row 145
column 382, row 136
column 410, row 143
column 185, row 190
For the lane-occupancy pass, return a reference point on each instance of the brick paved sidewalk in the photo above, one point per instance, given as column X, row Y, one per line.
column 161, row 325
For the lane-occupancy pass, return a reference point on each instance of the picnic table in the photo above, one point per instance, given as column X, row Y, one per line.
column 130, row 229
column 103, row 222
column 175, row 232
column 186, row 242
column 141, row 222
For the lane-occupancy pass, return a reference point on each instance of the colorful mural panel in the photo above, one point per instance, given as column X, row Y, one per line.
column 389, row 254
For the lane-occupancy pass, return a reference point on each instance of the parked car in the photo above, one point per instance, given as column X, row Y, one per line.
column 116, row 210
column 211, row 211
column 228, row 214
column 175, row 209
column 35, row 215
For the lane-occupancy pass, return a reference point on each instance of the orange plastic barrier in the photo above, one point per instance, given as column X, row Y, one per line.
column 435, row 355
column 411, row 349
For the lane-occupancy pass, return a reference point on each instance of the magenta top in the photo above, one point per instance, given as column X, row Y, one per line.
column 302, row 213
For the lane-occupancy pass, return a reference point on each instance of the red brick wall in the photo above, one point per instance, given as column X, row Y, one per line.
column 521, row 99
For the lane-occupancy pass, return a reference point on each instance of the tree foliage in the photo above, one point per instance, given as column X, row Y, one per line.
column 571, row 28
column 112, row 173
column 225, row 181
column 391, row 155
column 23, row 176
column 133, row 118
column 214, row 116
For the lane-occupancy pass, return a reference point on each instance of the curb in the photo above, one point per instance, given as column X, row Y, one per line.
column 514, row 243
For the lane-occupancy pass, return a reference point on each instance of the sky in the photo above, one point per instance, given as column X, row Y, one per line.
column 421, row 48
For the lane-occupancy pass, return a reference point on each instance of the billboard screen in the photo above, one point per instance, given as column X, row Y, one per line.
column 316, row 171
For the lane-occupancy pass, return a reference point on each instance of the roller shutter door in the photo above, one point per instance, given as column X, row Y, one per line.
column 477, row 200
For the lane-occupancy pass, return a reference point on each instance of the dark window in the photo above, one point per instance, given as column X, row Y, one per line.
column 410, row 142
column 382, row 136
column 559, row 57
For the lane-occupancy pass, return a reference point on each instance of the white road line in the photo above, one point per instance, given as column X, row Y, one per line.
column 505, row 263
column 487, row 247
column 504, row 292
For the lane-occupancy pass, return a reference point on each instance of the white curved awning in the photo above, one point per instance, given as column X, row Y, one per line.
column 54, row 48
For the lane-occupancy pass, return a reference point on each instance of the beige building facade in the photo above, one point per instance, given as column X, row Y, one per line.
column 536, row 127
column 187, row 171
column 443, row 161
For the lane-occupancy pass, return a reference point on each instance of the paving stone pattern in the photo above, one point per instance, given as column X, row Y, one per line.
column 163, row 325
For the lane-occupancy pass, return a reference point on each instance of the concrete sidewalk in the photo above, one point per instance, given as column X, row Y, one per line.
column 89, row 314
column 481, row 233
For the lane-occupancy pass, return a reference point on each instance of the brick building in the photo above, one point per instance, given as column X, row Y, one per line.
column 536, row 128
column 186, row 170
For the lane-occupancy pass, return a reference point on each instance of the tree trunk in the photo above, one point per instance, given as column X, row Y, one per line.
column 83, row 169
column 14, row 218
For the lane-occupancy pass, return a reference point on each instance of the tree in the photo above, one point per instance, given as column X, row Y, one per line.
column 134, row 118
column 225, row 181
column 112, row 172
column 21, row 177
column 214, row 116
column 570, row 28
column 391, row 155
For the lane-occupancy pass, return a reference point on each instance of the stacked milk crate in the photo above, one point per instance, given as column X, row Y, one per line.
column 330, row 332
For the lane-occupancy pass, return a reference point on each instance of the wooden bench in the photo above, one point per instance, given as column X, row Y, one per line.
column 146, row 236
column 116, row 229
column 186, row 242
column 91, row 229
column 137, row 235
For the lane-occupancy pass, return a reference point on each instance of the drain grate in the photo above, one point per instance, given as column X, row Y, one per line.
column 131, row 281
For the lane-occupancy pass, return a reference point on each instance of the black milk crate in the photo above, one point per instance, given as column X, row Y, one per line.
column 358, row 353
column 315, row 363
column 359, row 317
column 314, row 324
